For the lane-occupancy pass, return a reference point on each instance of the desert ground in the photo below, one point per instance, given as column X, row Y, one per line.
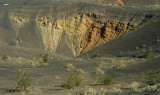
column 73, row 47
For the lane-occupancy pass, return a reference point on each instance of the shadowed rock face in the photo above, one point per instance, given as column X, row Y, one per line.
column 67, row 28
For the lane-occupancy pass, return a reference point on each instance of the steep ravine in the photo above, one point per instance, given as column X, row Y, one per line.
column 84, row 30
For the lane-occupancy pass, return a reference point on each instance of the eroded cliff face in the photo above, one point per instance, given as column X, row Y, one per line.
column 19, row 20
column 84, row 30
column 75, row 28
column 51, row 32
column 101, row 31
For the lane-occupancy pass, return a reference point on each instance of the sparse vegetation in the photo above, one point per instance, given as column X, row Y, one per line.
column 33, row 61
column 99, row 71
column 69, row 67
column 5, row 58
column 149, row 53
column 120, row 54
column 100, row 64
column 44, row 57
column 74, row 79
column 152, row 78
column 78, row 59
column 134, row 85
column 118, row 59
column 143, row 52
column 68, row 93
column 106, row 80
column 92, row 91
column 119, row 65
column 102, row 91
column 23, row 80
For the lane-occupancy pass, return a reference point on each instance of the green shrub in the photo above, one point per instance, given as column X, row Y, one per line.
column 152, row 78
column 74, row 79
column 106, row 80
column 149, row 53
column 23, row 80
column 6, row 58
column 44, row 57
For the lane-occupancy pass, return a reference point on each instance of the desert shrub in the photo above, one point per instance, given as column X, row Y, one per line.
column 80, row 70
column 158, row 39
column 100, row 64
column 6, row 58
column 69, row 67
column 78, row 59
column 44, row 57
column 119, row 65
column 74, row 79
column 106, row 80
column 135, row 86
column 143, row 52
column 92, row 91
column 152, row 78
column 102, row 91
column 149, row 53
column 120, row 54
column 23, row 80
column 98, row 71
column 117, row 90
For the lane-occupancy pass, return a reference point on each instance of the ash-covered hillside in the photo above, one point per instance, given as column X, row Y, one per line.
column 66, row 27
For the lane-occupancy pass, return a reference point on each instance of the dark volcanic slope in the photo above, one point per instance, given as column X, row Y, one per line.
column 147, row 3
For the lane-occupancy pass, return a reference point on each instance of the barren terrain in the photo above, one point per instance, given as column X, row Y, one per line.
column 113, row 40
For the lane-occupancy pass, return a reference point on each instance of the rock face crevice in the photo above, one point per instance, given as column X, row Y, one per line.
column 19, row 21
